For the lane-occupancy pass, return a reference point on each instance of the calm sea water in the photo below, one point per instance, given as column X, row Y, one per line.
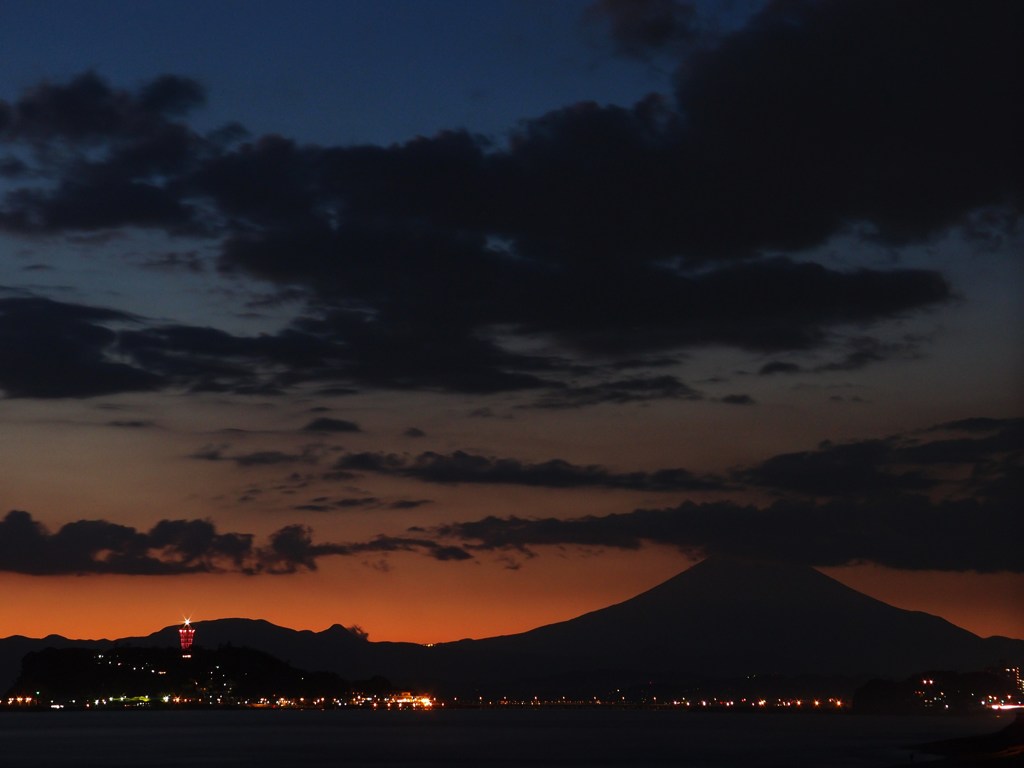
column 547, row 737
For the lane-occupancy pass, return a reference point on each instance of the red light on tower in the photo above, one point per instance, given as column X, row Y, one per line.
column 185, row 634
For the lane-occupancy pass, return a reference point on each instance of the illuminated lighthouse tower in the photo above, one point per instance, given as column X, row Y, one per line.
column 185, row 634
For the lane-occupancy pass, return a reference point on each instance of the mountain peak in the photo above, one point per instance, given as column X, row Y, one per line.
column 731, row 615
column 736, row 567
column 741, row 581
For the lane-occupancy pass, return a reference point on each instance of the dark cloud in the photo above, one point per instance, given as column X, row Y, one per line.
column 363, row 501
column 909, row 533
column 977, row 424
column 132, row 423
column 777, row 366
column 426, row 265
column 462, row 467
column 862, row 351
column 179, row 546
column 487, row 413
column 292, row 549
column 942, row 498
column 854, row 469
column 427, row 352
column 177, row 262
column 640, row 27
column 207, row 359
column 270, row 458
column 53, row 350
column 848, row 97
column 771, row 305
column 59, row 349
column 738, row 400
column 325, row 504
column 308, row 455
column 12, row 167
column 97, row 546
column 618, row 392
column 170, row 95
column 114, row 155
column 326, row 424
column 867, row 506
column 900, row 464
column 88, row 110
column 855, row 353
column 994, row 453
column 414, row 432
column 409, row 503
column 847, row 399
column 94, row 203
column 644, row 362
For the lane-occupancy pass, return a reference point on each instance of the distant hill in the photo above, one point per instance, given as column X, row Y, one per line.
column 316, row 650
column 724, row 618
column 13, row 649
column 222, row 676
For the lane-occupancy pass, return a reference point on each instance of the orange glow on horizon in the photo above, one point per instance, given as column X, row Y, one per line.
column 426, row 602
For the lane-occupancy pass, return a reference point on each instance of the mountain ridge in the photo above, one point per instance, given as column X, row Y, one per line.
column 724, row 617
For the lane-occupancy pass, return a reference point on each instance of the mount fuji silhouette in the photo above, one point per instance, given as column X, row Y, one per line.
column 724, row 618
column 733, row 617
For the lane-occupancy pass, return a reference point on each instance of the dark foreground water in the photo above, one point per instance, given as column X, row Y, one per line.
column 545, row 737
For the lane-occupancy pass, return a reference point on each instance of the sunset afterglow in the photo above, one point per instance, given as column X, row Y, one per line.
column 446, row 320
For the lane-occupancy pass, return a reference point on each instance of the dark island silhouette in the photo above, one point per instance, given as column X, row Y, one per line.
column 725, row 619
column 126, row 675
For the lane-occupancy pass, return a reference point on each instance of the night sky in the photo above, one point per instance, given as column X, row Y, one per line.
column 450, row 319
